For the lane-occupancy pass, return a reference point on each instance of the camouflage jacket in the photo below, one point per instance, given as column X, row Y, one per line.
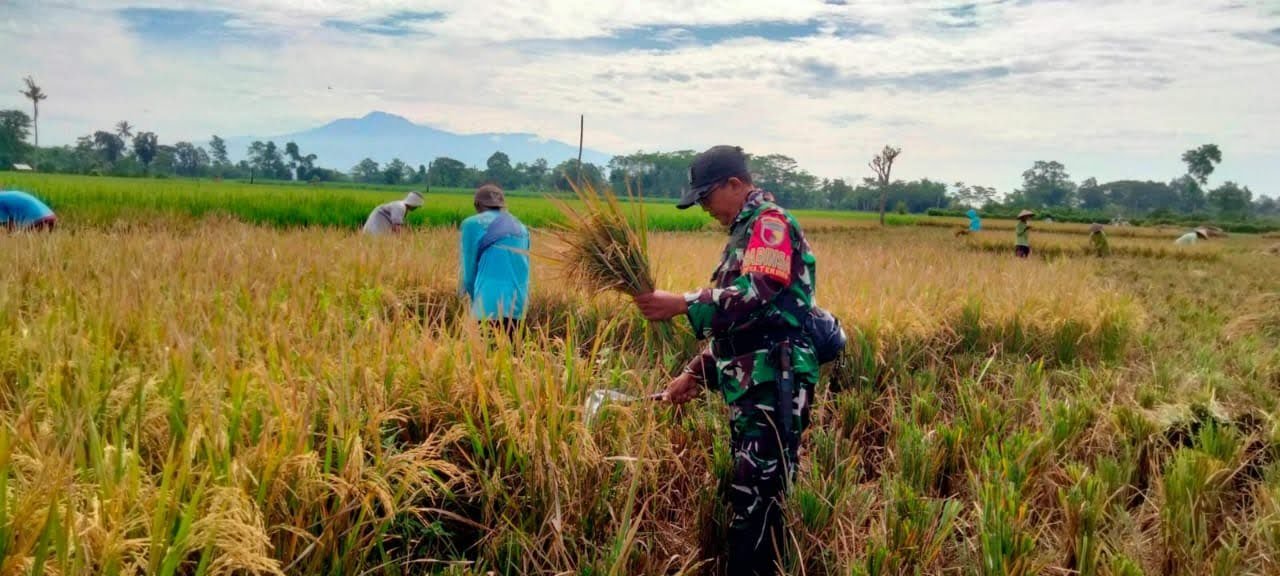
column 765, row 282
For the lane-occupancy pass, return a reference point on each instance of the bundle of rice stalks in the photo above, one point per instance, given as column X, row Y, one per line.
column 601, row 247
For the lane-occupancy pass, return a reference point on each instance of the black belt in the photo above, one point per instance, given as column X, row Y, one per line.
column 752, row 341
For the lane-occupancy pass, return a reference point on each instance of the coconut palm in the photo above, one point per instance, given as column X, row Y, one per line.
column 124, row 130
column 35, row 95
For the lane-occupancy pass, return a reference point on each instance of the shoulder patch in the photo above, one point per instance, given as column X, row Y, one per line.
column 769, row 248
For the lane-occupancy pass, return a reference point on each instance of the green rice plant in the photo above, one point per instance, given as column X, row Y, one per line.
column 139, row 203
column 828, row 483
column 1193, row 499
column 925, row 403
column 853, row 409
column 1084, row 507
column 1117, row 475
column 1006, row 537
column 1219, row 440
column 825, row 501
column 1068, row 420
column 1122, row 565
column 969, row 327
column 875, row 562
column 1229, row 559
column 916, row 531
column 1114, row 336
column 1136, row 428
column 927, row 461
column 981, row 410
column 1067, row 340
column 918, row 465
column 862, row 358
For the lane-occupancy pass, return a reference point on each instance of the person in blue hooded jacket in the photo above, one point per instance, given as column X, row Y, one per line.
column 975, row 223
column 495, row 261
column 22, row 211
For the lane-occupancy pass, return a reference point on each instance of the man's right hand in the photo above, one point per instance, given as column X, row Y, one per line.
column 661, row 305
column 682, row 389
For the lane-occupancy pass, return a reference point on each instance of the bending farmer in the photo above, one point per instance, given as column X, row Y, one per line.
column 390, row 217
column 22, row 211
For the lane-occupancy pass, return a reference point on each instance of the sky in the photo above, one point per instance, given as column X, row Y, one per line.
column 973, row 91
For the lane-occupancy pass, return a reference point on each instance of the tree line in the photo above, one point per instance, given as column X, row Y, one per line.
column 125, row 151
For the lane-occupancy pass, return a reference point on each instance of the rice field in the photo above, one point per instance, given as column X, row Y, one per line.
column 218, row 394
column 1056, row 244
column 95, row 201
column 92, row 201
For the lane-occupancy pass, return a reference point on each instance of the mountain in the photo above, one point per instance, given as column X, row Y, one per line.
column 343, row 143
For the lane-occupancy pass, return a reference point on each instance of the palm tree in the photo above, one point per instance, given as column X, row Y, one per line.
column 35, row 94
column 124, row 130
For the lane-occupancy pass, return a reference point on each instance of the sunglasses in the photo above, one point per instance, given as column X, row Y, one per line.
column 706, row 196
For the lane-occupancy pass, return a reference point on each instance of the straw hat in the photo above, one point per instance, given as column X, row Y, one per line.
column 413, row 199
column 1095, row 228
column 1025, row 214
column 1201, row 232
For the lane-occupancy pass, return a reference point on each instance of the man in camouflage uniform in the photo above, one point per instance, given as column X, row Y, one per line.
column 763, row 362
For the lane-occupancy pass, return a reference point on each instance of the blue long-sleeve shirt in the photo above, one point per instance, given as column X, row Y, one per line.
column 21, row 209
column 498, row 282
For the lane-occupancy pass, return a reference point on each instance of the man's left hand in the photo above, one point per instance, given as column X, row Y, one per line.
column 661, row 305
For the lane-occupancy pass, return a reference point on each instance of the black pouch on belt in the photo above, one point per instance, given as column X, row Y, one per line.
column 786, row 386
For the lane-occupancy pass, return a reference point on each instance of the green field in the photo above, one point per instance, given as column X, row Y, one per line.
column 96, row 201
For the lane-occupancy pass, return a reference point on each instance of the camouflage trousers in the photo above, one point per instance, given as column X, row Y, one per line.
column 763, row 468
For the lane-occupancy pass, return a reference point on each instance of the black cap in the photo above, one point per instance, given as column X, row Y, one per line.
column 717, row 164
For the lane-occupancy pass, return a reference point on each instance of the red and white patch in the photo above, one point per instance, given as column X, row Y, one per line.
column 769, row 248
column 773, row 230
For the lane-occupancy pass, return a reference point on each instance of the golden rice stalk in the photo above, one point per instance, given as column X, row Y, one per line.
column 1260, row 316
column 601, row 248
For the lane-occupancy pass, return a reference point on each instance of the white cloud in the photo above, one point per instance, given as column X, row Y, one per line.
column 1112, row 89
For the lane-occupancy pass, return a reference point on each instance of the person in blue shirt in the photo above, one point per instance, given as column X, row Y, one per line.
column 495, row 261
column 975, row 223
column 22, row 211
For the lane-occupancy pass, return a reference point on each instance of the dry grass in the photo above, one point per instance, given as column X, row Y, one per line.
column 221, row 398
column 1073, row 245
column 994, row 225
column 1259, row 317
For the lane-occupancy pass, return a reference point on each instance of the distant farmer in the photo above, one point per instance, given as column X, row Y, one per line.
column 765, row 362
column 1192, row 237
column 1098, row 241
column 1022, row 244
column 975, row 223
column 22, row 211
column 495, row 261
column 390, row 217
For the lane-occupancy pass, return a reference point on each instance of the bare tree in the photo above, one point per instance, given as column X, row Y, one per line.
column 882, row 164
column 35, row 95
